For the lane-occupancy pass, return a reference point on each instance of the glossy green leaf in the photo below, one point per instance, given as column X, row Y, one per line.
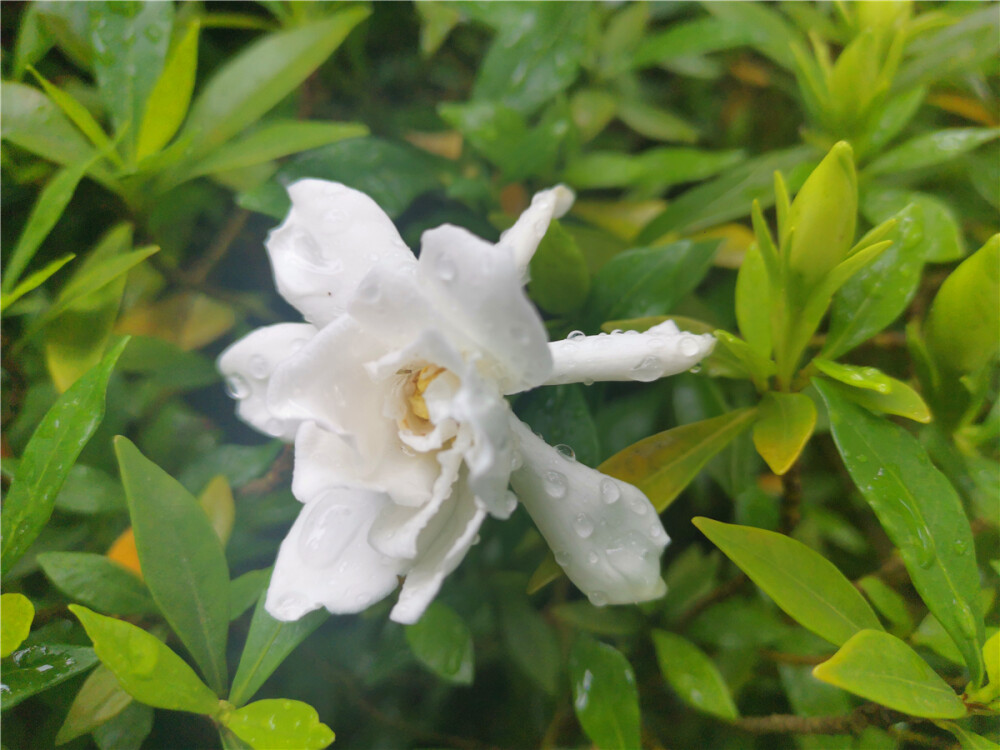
column 182, row 559
column 561, row 416
column 442, row 642
column 807, row 586
column 784, row 425
column 559, row 275
column 18, row 612
column 655, row 169
column 36, row 668
column 963, row 326
column 263, row 74
column 758, row 368
column 130, row 46
column 693, row 676
column 662, row 465
column 882, row 668
column 49, row 456
column 34, row 280
column 51, row 204
column 604, row 695
column 245, row 590
column 730, row 195
column 930, row 149
column 890, row 604
column 533, row 57
column 88, row 490
column 648, row 281
column 969, row 740
column 878, row 294
column 170, row 96
column 268, row 643
column 273, row 141
column 875, row 390
column 279, row 725
column 99, row 699
column 98, row 582
column 921, row 513
column 931, row 635
column 145, row 667
column 939, row 239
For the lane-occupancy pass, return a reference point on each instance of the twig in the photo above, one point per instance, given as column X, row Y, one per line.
column 868, row 715
column 783, row 657
column 275, row 477
column 200, row 270
column 791, row 499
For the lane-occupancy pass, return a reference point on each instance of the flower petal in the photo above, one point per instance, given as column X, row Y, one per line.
column 460, row 519
column 477, row 289
column 522, row 239
column 326, row 561
column 660, row 351
column 248, row 366
column 332, row 237
column 605, row 533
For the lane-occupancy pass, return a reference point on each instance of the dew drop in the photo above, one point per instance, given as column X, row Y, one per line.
column 638, row 506
column 370, row 291
column 647, row 369
column 655, row 531
column 576, row 336
column 583, row 526
column 257, row 366
column 598, row 598
column 689, row 346
column 237, row 387
column 617, row 331
column 610, row 492
column 445, row 269
column 566, row 452
column 960, row 546
column 516, row 460
column 592, row 558
column 562, row 557
column 555, row 483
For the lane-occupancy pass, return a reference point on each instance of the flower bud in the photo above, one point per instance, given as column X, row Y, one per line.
column 822, row 218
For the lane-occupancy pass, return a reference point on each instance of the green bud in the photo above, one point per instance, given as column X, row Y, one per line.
column 882, row 17
column 963, row 326
column 822, row 219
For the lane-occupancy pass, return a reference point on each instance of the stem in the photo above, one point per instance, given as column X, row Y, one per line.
column 791, row 498
column 868, row 715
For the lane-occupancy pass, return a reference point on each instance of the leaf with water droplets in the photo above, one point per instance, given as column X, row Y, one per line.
column 442, row 642
column 693, row 676
column 36, row 668
column 875, row 390
column 279, row 724
column 882, row 668
column 182, row 559
column 662, row 465
column 807, row 586
column 921, row 513
column 605, row 697
column 145, row 667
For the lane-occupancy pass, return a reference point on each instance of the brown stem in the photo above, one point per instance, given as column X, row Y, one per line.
column 868, row 715
column 275, row 477
column 783, row 657
column 791, row 499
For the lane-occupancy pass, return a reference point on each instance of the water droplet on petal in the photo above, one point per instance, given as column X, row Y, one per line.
column 237, row 387
column 576, row 336
column 562, row 557
column 555, row 483
column 655, row 531
column 445, row 269
column 649, row 368
column 689, row 346
column 617, row 331
column 566, row 452
column 638, row 505
column 583, row 526
column 257, row 366
column 610, row 492
column 291, row 606
column 370, row 291
column 598, row 598
column 516, row 460
column 592, row 558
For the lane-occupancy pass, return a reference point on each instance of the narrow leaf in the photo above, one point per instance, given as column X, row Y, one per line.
column 34, row 280
column 875, row 390
column 168, row 101
column 930, row 149
column 37, row 668
column 78, row 114
column 100, row 699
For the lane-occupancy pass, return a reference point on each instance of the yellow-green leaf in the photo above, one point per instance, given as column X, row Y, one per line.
column 783, row 428
column 169, row 99
column 875, row 390
column 18, row 612
column 279, row 725
column 881, row 668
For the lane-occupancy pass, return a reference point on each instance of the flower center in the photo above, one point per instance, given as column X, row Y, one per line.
column 419, row 382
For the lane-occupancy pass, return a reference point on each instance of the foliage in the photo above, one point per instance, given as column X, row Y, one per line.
column 817, row 184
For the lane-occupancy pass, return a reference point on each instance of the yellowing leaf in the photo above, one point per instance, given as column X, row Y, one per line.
column 217, row 502
column 781, row 432
column 188, row 319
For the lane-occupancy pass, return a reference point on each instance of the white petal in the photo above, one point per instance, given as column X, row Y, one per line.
column 522, row 239
column 605, row 533
column 326, row 561
column 660, row 351
column 248, row 365
column 477, row 289
column 332, row 237
column 442, row 555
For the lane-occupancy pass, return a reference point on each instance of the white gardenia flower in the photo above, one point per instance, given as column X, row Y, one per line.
column 393, row 392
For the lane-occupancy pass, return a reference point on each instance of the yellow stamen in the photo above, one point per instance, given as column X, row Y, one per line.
column 421, row 381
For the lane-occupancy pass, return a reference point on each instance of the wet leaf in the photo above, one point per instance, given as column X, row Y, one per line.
column 36, row 668
column 693, row 676
column 18, row 612
column 875, row 390
column 882, row 668
column 442, row 642
column 604, row 694
column 280, row 725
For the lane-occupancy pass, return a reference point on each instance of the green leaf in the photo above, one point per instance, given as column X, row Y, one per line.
column 49, row 455
column 934, row 234
column 654, row 122
column 655, row 169
column 126, row 731
column 442, row 642
column 693, row 676
column 263, row 74
column 181, row 557
column 613, row 621
column 875, row 390
column 146, row 668
column 881, row 668
column 437, row 19
column 753, row 302
column 662, row 465
column 969, row 740
column 690, row 39
column 272, row 141
column 268, row 643
column 890, row 604
column 245, row 590
column 561, row 416
column 36, row 668
column 130, row 46
column 34, row 280
column 51, row 203
column 931, row 149
column 730, row 195
column 560, row 279
column 88, row 491
column 921, row 513
column 758, row 368
column 279, row 725
column 533, row 57
column 100, row 699
column 770, row 32
column 648, row 281
column 98, row 582
column 33, row 40
column 78, row 114
column 169, row 98
column 807, row 586
column 18, row 612
column 604, row 695
column 529, row 640
column 784, row 426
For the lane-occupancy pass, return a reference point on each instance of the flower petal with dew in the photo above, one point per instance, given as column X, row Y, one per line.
column 393, row 393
